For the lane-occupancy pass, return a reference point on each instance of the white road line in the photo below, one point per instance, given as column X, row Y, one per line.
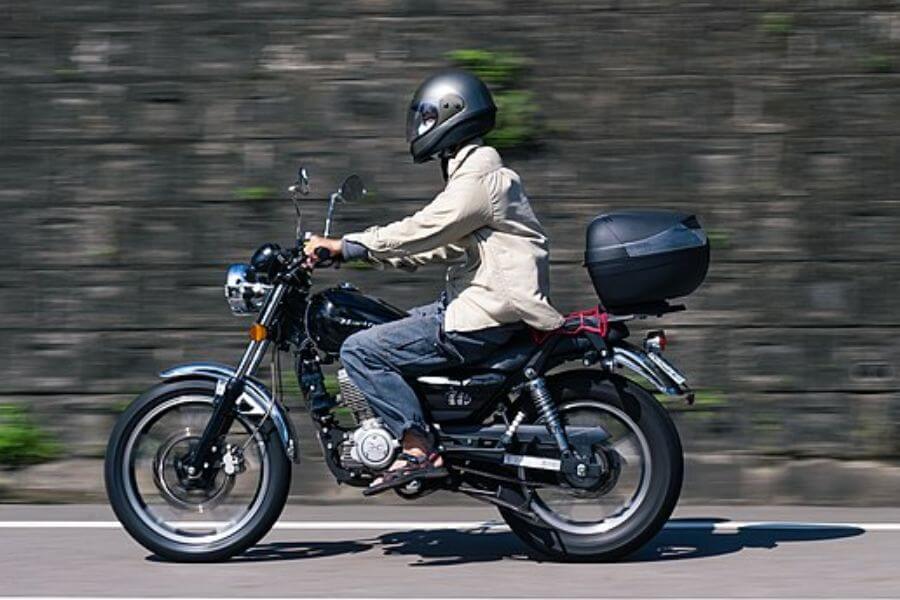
column 383, row 598
column 301, row 525
column 715, row 526
column 734, row 526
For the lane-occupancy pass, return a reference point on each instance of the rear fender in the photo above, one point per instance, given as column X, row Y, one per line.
column 254, row 401
column 652, row 369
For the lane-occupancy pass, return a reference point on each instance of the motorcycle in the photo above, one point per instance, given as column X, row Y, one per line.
column 582, row 463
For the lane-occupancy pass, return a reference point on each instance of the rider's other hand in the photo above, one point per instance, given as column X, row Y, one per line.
column 315, row 242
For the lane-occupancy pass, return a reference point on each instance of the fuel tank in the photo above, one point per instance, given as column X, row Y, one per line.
column 336, row 313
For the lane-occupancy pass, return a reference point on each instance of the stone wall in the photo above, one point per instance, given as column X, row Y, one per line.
column 145, row 145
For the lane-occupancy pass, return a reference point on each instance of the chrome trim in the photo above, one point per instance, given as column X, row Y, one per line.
column 247, row 358
column 532, row 462
column 254, row 401
column 252, row 357
column 273, row 303
column 653, row 343
column 628, row 356
column 244, row 298
column 484, row 379
column 667, row 368
column 329, row 216
column 255, row 351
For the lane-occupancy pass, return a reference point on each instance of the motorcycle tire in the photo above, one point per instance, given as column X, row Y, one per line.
column 666, row 462
column 266, row 513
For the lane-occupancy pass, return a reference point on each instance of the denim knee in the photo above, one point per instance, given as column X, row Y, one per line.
column 354, row 349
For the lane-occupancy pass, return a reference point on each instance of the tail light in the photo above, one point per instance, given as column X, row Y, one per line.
column 656, row 341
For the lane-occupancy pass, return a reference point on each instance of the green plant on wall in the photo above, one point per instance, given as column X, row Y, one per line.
column 497, row 69
column 776, row 23
column 256, row 192
column 517, row 111
column 879, row 63
column 21, row 441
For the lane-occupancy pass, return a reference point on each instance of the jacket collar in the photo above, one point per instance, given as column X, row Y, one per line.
column 465, row 160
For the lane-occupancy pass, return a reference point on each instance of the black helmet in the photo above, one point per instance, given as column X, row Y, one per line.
column 449, row 108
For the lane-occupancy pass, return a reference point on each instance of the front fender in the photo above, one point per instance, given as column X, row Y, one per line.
column 255, row 400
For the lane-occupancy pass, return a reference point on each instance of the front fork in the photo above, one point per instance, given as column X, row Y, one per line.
column 202, row 458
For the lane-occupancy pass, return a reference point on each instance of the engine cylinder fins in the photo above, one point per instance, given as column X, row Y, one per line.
column 351, row 397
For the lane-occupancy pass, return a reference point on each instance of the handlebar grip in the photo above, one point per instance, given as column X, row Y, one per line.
column 323, row 254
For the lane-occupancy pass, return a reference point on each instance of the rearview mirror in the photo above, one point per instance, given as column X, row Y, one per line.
column 301, row 186
column 352, row 189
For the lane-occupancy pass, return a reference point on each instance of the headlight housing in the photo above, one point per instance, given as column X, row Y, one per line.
column 244, row 294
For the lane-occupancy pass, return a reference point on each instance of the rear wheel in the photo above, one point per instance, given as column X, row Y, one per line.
column 180, row 517
column 644, row 460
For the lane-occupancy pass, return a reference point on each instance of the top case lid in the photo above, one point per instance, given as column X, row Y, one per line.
column 635, row 233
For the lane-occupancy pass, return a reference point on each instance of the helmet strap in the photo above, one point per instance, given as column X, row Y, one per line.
column 445, row 155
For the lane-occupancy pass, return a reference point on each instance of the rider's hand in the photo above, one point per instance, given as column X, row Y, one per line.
column 315, row 242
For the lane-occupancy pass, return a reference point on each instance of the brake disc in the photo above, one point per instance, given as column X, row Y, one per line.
column 176, row 487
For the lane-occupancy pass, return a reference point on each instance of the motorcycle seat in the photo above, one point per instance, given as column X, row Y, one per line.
column 511, row 356
column 516, row 352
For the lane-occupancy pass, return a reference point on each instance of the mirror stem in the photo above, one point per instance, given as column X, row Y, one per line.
column 328, row 217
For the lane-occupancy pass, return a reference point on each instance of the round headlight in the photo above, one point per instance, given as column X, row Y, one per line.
column 244, row 294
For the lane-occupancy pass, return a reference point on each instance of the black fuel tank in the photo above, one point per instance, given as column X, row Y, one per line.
column 336, row 313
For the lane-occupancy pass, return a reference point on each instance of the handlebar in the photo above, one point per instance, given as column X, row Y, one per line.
column 323, row 254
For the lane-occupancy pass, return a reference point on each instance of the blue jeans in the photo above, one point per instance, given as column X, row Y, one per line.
column 378, row 359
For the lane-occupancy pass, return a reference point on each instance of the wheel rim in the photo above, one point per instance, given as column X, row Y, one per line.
column 187, row 515
column 583, row 513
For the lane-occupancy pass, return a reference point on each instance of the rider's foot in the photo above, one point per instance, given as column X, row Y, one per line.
column 400, row 463
column 414, row 468
column 416, row 461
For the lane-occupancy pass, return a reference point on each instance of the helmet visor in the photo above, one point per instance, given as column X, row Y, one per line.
column 421, row 119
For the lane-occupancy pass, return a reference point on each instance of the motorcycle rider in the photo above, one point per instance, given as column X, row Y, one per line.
column 483, row 220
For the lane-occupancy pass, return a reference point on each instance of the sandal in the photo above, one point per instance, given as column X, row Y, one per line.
column 416, row 467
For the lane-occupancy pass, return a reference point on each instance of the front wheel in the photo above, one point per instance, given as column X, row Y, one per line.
column 183, row 518
column 642, row 455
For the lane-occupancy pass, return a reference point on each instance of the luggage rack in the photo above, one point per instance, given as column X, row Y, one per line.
column 642, row 311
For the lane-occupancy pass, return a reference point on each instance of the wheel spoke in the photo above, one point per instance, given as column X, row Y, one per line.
column 628, row 449
column 167, row 499
column 615, row 496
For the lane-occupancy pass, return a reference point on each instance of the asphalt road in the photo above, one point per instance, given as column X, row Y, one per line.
column 441, row 552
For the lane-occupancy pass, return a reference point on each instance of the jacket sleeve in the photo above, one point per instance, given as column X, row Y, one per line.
column 353, row 250
column 446, row 253
column 456, row 212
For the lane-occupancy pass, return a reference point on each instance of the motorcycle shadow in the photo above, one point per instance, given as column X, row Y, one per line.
column 697, row 538
column 683, row 539
column 429, row 548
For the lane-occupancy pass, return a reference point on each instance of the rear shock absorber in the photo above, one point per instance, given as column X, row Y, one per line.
column 537, row 387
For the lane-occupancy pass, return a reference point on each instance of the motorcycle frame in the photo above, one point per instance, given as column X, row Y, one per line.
column 237, row 391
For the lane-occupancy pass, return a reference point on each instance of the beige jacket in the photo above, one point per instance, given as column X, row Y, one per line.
column 483, row 217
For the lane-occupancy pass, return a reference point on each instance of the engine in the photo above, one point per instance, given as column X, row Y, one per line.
column 351, row 397
column 370, row 444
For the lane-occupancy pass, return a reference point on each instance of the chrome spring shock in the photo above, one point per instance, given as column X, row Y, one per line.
column 544, row 402
column 511, row 429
